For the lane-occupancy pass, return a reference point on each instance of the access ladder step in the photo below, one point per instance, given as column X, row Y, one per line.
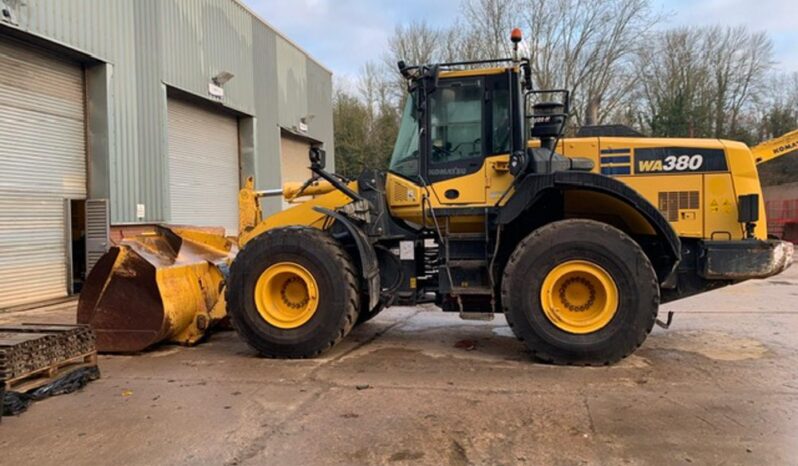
column 483, row 316
column 468, row 263
column 465, row 236
column 467, row 290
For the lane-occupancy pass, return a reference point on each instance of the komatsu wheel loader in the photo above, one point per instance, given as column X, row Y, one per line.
column 486, row 209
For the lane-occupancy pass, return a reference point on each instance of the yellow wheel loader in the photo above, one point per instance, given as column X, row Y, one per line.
column 486, row 209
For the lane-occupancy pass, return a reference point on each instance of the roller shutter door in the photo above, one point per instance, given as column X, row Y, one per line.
column 203, row 167
column 294, row 160
column 42, row 164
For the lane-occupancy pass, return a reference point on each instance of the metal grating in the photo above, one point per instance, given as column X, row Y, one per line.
column 97, row 231
column 670, row 203
column 400, row 192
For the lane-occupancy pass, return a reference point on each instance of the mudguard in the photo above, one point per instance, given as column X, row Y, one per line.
column 530, row 187
column 367, row 256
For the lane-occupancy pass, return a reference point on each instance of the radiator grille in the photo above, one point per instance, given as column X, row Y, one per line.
column 670, row 203
column 400, row 193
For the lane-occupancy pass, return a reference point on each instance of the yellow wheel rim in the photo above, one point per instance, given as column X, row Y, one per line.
column 286, row 295
column 579, row 297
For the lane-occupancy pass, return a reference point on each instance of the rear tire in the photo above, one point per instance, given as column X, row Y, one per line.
column 335, row 293
column 613, row 258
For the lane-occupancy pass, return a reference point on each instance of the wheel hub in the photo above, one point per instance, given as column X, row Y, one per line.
column 567, row 289
column 294, row 293
column 286, row 295
column 579, row 297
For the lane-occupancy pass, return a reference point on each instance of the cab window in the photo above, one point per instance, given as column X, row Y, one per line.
column 500, row 140
column 404, row 160
column 456, row 123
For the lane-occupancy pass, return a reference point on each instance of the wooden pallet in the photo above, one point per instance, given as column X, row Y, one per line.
column 46, row 375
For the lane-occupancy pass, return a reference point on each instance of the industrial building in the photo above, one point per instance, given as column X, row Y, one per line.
column 116, row 114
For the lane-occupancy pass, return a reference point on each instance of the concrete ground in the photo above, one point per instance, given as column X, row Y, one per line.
column 422, row 387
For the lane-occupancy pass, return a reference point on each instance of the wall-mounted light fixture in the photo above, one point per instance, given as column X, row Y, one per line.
column 7, row 11
column 304, row 121
column 222, row 78
column 215, row 88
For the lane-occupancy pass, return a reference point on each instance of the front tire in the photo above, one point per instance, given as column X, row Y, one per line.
column 293, row 293
column 580, row 292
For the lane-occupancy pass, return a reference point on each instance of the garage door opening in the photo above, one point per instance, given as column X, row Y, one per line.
column 77, row 229
column 294, row 159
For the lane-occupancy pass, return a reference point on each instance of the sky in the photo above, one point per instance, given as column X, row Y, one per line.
column 345, row 34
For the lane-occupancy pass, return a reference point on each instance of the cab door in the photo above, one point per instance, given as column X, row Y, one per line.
column 456, row 146
column 470, row 138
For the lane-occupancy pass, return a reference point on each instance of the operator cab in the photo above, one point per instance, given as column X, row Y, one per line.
column 455, row 120
column 468, row 120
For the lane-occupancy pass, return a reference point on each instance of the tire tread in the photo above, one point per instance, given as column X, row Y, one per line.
column 343, row 262
column 535, row 236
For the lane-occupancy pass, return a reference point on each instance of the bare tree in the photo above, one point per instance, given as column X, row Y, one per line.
column 776, row 106
column 374, row 87
column 674, row 84
column 588, row 47
column 416, row 43
column 459, row 43
column 699, row 82
column 739, row 60
column 489, row 23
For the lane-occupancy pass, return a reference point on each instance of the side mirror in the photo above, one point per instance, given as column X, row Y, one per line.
column 318, row 158
column 432, row 76
column 527, row 69
column 403, row 69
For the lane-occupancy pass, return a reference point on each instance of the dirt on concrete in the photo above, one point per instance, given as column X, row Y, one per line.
column 417, row 386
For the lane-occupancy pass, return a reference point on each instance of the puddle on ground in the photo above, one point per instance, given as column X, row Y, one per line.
column 713, row 345
column 503, row 331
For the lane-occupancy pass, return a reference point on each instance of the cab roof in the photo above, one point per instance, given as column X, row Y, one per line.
column 473, row 72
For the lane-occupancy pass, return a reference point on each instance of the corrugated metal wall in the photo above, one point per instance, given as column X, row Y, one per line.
column 264, row 58
column 206, row 37
column 151, row 44
column 292, row 80
column 319, row 95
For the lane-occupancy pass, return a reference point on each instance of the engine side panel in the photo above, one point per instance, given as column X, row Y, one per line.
column 695, row 183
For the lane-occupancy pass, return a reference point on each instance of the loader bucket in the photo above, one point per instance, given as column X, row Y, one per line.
column 161, row 286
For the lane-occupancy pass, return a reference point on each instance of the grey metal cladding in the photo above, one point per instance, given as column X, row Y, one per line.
column 319, row 95
column 149, row 44
column 292, row 84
